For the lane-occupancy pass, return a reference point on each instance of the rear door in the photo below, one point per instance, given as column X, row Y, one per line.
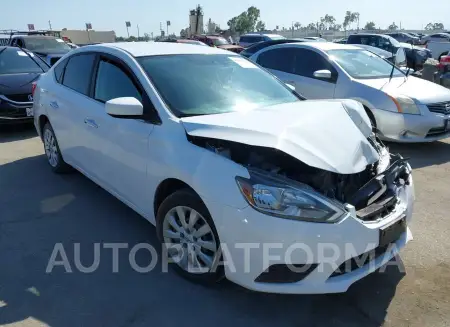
column 67, row 101
column 306, row 63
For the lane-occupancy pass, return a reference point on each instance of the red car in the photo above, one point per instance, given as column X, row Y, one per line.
column 219, row 42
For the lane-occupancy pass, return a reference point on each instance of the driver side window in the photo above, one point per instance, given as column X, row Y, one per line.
column 113, row 82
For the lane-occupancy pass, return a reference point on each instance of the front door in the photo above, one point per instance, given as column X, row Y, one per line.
column 120, row 144
column 306, row 63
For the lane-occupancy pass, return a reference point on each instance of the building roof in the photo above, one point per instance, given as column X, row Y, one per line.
column 141, row 49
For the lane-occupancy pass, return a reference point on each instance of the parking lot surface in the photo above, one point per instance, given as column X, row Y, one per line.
column 39, row 209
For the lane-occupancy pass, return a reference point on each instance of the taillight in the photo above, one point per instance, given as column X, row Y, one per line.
column 33, row 87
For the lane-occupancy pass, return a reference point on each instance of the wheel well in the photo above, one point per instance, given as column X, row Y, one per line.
column 166, row 188
column 43, row 119
column 443, row 54
column 371, row 116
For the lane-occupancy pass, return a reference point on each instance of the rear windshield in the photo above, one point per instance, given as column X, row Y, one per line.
column 16, row 61
column 41, row 43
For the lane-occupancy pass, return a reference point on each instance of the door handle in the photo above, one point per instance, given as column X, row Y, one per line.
column 90, row 123
column 54, row 104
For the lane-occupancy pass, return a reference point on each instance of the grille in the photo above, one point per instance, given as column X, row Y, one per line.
column 19, row 97
column 360, row 261
column 13, row 113
column 440, row 108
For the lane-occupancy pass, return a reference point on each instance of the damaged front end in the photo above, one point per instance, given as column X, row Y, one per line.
column 284, row 186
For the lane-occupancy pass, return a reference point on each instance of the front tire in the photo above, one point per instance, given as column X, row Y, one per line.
column 52, row 151
column 186, row 230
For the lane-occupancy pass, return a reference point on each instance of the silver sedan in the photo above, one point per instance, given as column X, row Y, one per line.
column 403, row 108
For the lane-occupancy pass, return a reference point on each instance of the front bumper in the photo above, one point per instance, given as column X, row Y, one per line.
column 12, row 112
column 252, row 242
column 427, row 127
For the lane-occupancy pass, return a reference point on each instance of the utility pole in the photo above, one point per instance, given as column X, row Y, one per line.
column 292, row 29
column 50, row 25
column 138, row 30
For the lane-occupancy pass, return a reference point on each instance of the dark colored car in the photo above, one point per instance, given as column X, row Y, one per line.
column 219, row 42
column 404, row 37
column 415, row 57
column 248, row 52
column 49, row 48
column 184, row 41
column 19, row 68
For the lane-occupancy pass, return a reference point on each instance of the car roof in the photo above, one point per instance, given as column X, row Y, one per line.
column 141, row 49
column 369, row 34
column 326, row 46
column 34, row 36
column 260, row 34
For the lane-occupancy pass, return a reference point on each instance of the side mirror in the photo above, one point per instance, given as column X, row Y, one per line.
column 323, row 74
column 292, row 87
column 124, row 107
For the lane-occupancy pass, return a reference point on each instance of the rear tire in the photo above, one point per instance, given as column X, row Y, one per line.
column 52, row 151
column 184, row 221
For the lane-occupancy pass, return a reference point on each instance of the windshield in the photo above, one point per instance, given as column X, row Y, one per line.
column 16, row 61
column 362, row 64
column 219, row 41
column 43, row 43
column 201, row 84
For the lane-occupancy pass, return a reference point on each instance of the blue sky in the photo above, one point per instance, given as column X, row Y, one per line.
column 112, row 14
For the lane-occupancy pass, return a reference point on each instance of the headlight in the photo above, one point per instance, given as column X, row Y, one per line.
column 288, row 199
column 405, row 105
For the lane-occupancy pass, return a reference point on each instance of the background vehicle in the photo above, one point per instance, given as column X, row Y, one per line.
column 184, row 41
column 403, row 108
column 49, row 48
column 415, row 56
column 341, row 41
column 315, row 38
column 218, row 42
column 247, row 40
column 128, row 132
column 18, row 70
column 399, row 59
column 72, row 45
column 248, row 52
column 437, row 37
column 438, row 48
column 404, row 37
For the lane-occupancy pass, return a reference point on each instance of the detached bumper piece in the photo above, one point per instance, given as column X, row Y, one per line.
column 377, row 198
column 282, row 273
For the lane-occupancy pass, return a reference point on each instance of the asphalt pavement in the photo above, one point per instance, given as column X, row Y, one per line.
column 39, row 209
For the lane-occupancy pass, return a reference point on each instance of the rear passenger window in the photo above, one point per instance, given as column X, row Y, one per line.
column 281, row 59
column 59, row 70
column 112, row 82
column 77, row 74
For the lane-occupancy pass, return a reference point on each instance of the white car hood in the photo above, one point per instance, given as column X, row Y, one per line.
column 416, row 88
column 326, row 134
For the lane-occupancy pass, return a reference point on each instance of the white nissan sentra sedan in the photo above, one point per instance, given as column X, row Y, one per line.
column 403, row 108
column 213, row 150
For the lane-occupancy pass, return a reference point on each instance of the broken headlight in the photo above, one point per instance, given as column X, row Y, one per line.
column 287, row 199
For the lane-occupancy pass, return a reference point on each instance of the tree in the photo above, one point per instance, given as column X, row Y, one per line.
column 311, row 27
column 370, row 26
column 393, row 27
column 260, row 26
column 246, row 21
column 434, row 26
column 218, row 30
column 146, row 37
column 297, row 25
column 328, row 22
column 350, row 18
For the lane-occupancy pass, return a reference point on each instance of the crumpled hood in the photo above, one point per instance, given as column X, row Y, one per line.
column 323, row 133
column 416, row 88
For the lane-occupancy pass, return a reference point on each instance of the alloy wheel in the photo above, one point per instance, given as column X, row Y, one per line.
column 51, row 149
column 189, row 239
